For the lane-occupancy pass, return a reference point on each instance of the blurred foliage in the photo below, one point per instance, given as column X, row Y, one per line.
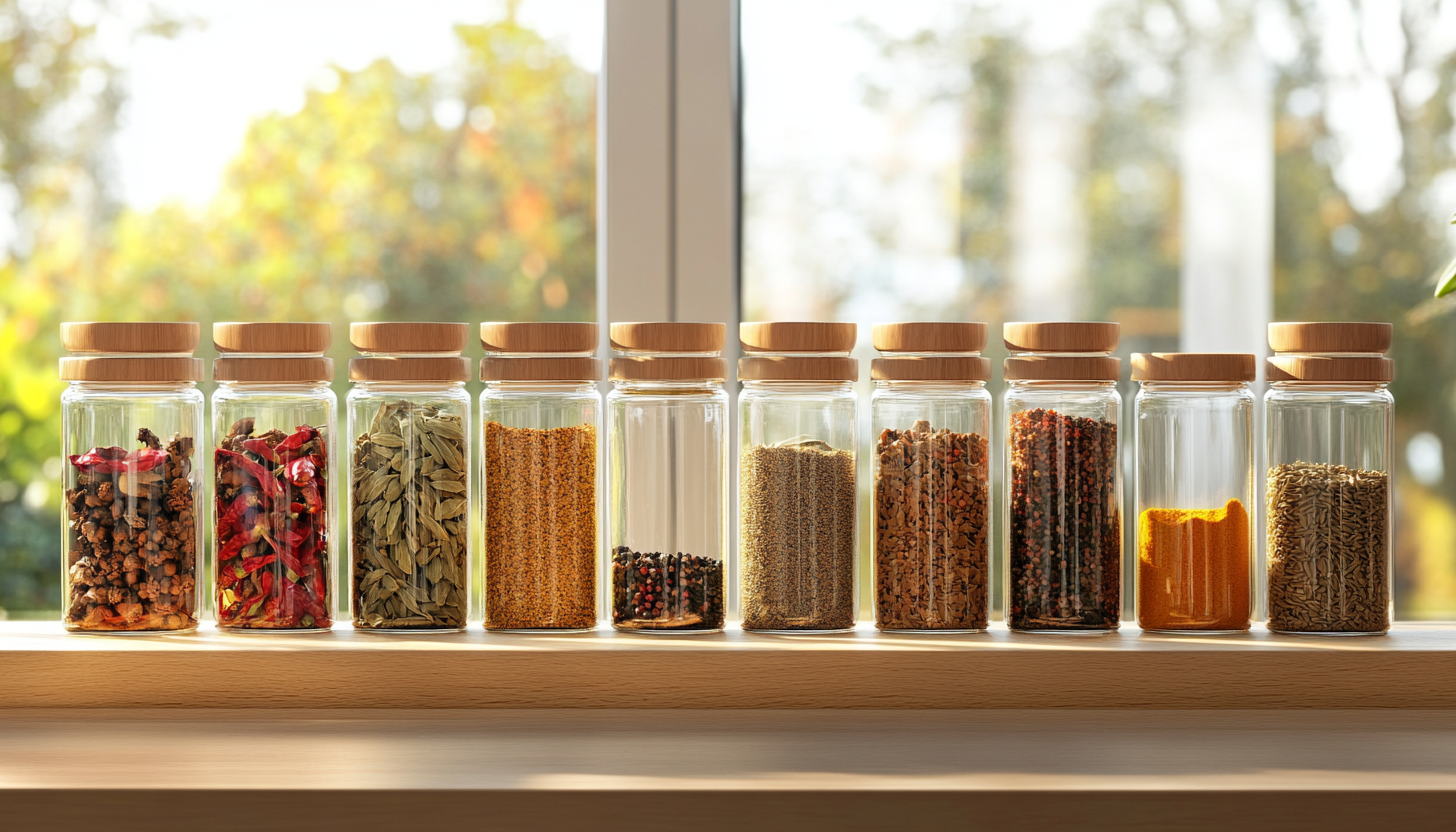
column 466, row 195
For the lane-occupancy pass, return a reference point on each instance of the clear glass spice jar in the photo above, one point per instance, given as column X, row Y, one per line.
column 1195, row 491
column 1063, row 479
column 274, row 512
column 1328, row 489
column 541, row 414
column 797, row 533
column 667, row 462
column 409, row 477
column 931, row 416
column 131, row 421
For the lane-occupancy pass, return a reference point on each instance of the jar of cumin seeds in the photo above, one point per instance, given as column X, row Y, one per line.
column 1328, row 487
column 409, row 477
column 931, row 416
column 667, row 464
column 541, row 414
column 274, row 513
column 796, row 477
column 1064, row 481
column 131, row 423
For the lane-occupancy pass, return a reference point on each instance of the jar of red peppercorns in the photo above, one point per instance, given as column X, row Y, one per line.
column 1064, row 483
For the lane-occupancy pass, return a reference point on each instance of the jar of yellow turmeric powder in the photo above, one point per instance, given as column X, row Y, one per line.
column 1195, row 491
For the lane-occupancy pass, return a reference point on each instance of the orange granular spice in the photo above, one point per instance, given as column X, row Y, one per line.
column 1193, row 568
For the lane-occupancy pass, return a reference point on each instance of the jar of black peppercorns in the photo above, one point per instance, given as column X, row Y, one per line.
column 1064, row 484
column 667, row 462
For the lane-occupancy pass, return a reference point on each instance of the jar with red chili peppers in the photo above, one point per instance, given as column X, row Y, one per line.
column 409, row 477
column 273, row 429
column 130, row 422
column 1064, row 483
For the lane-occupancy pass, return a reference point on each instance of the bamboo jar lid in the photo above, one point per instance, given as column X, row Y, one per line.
column 132, row 370
column 669, row 336
column 788, row 368
column 409, row 337
column 668, row 368
column 538, row 336
column 284, row 368
column 426, row 368
column 1193, row 366
column 1062, row 368
column 156, row 337
column 1307, row 368
column 1312, row 337
column 545, row 368
column 1061, row 336
column 797, row 336
column 931, row 368
column 930, row 336
column 265, row 337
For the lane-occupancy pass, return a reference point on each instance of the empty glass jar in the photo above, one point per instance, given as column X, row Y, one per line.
column 667, row 462
column 796, row 468
column 540, row 413
column 1195, row 491
column 131, row 421
column 931, row 416
column 1063, row 480
column 409, row 477
column 1328, row 420
column 273, row 430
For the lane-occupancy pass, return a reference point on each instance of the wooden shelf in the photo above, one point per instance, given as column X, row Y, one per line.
column 722, row 770
column 41, row 666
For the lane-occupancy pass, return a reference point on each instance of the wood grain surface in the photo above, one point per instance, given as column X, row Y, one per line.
column 43, row 667
column 721, row 770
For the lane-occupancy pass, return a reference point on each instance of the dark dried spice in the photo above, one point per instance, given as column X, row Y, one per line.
column 1066, row 526
column 931, row 542
column 666, row 592
column 132, row 550
column 272, row 530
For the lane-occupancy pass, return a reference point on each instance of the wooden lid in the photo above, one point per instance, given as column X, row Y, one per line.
column 930, row 336
column 669, row 368
column 781, row 368
column 409, row 337
column 411, row 368
column 1303, row 336
column 538, row 336
column 565, row 368
column 1062, row 368
column 121, row 337
column 797, row 336
column 283, row 369
column 669, row 336
column 131, row 369
column 1061, row 336
column 293, row 338
column 1193, row 366
column 1306, row 368
column 919, row 368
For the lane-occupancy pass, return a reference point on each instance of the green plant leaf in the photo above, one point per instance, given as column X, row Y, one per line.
column 1447, row 284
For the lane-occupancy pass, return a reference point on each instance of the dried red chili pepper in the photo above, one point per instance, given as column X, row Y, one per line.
column 117, row 460
column 272, row 529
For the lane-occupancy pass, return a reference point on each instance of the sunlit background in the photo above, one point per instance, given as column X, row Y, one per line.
column 316, row 160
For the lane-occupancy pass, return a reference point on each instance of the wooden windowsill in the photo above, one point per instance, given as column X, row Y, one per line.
column 43, row 667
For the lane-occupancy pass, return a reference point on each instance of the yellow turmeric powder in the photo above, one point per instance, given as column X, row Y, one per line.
column 1193, row 568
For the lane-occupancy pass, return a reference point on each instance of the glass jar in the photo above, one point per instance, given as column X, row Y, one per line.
column 667, row 462
column 131, row 421
column 931, row 416
column 1063, row 478
column 409, row 476
column 274, row 514
column 797, row 533
column 1195, row 491
column 1328, row 419
column 540, row 412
